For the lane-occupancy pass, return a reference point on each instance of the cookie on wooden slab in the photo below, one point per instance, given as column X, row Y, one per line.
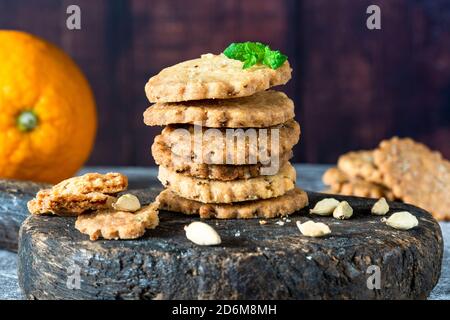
column 114, row 225
column 263, row 109
column 215, row 148
column 341, row 183
column 284, row 205
column 360, row 164
column 214, row 191
column 213, row 77
column 91, row 191
column 415, row 174
column 48, row 202
column 164, row 157
column 109, row 183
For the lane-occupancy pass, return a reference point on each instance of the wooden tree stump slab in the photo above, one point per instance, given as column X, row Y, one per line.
column 14, row 196
column 254, row 261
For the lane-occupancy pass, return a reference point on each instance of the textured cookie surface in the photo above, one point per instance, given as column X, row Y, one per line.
column 416, row 175
column 213, row 77
column 164, row 157
column 214, row 191
column 341, row 183
column 92, row 191
column 109, row 183
column 263, row 109
column 110, row 224
column 286, row 204
column 360, row 164
column 68, row 204
column 214, row 146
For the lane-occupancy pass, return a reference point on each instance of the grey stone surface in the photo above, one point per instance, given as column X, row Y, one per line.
column 308, row 177
column 442, row 290
column 9, row 287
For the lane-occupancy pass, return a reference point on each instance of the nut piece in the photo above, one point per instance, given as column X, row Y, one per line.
column 202, row 234
column 127, row 202
column 313, row 229
column 380, row 208
column 402, row 220
column 343, row 211
column 325, row 207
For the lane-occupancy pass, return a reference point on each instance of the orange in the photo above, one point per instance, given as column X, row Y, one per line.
column 48, row 118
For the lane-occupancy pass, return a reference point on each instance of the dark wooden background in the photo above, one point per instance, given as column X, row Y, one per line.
column 352, row 87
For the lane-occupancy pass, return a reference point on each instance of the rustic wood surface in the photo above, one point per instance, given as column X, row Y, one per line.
column 254, row 261
column 308, row 178
column 14, row 196
column 360, row 85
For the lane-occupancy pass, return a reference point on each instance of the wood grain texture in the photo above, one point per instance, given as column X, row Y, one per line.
column 14, row 196
column 262, row 262
column 352, row 87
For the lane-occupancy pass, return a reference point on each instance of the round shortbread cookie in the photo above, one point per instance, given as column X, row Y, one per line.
column 212, row 146
column 360, row 164
column 416, row 175
column 110, row 224
column 214, row 191
column 333, row 176
column 263, row 109
column 284, row 205
column 213, row 77
column 361, row 188
column 341, row 183
column 164, row 157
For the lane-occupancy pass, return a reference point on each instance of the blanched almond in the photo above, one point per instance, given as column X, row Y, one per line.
column 343, row 211
column 380, row 208
column 127, row 202
column 313, row 229
column 202, row 234
column 402, row 220
column 325, row 207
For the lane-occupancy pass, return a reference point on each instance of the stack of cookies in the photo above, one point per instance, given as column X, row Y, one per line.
column 225, row 149
column 400, row 169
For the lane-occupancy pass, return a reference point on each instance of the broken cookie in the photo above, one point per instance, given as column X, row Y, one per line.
column 92, row 191
column 110, row 224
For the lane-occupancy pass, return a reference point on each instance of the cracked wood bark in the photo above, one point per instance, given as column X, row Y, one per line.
column 265, row 262
column 14, row 196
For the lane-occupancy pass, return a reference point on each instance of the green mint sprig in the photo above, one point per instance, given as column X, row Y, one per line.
column 251, row 53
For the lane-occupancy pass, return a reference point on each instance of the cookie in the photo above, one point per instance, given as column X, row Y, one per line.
column 333, row 176
column 216, row 146
column 213, row 77
column 91, row 191
column 164, row 157
column 416, row 174
column 341, row 183
column 284, row 205
column 360, row 164
column 263, row 109
column 109, row 183
column 361, row 188
column 48, row 202
column 214, row 191
column 110, row 224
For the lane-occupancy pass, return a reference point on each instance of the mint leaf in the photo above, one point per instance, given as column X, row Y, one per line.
column 251, row 53
column 274, row 59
